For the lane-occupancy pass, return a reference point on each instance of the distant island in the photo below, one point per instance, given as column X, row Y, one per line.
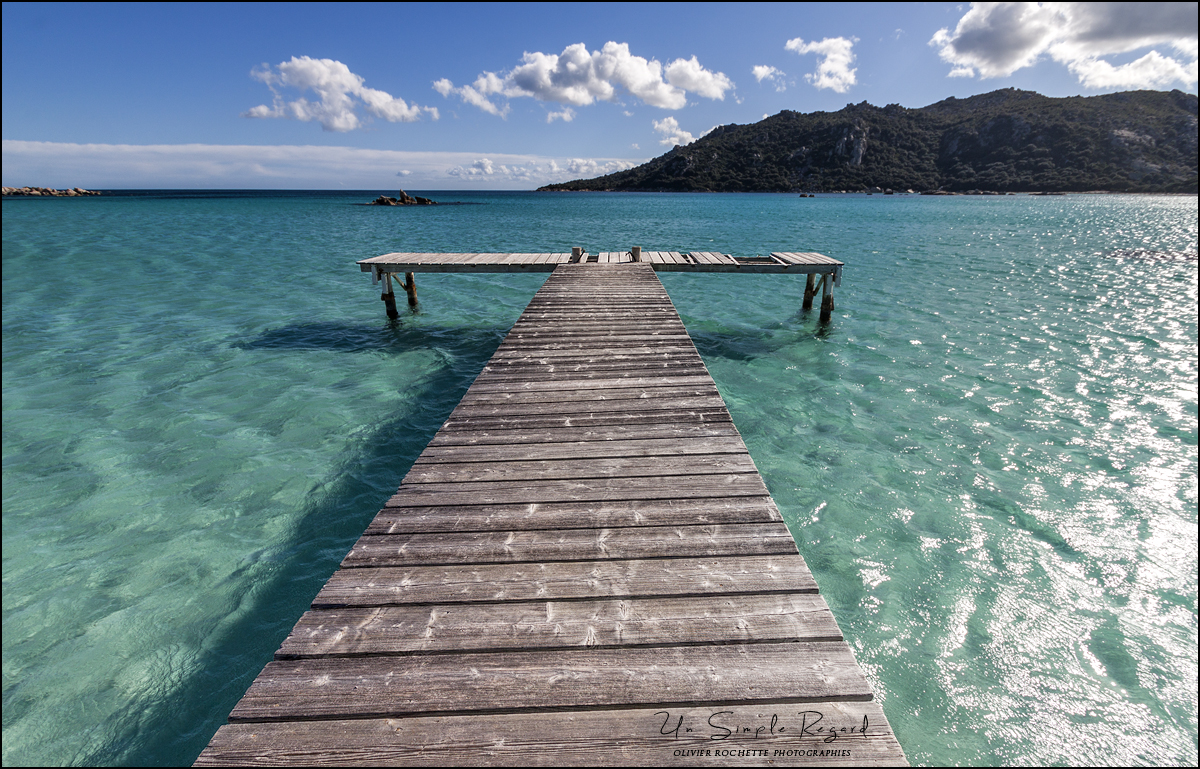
column 46, row 192
column 1003, row 141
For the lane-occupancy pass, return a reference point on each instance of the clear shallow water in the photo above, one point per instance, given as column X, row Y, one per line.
column 989, row 459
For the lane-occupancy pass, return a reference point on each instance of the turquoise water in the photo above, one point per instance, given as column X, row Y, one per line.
column 989, row 458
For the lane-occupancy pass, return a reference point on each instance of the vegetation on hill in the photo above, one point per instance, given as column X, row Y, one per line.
column 1004, row 141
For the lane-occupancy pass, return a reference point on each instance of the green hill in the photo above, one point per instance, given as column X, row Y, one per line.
column 1004, row 141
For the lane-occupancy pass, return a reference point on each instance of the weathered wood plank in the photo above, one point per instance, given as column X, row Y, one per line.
column 566, row 580
column 599, row 405
column 583, row 450
column 573, row 468
column 506, row 626
column 616, row 394
column 593, row 361
column 589, row 419
column 571, row 545
column 763, row 734
column 566, row 515
column 591, row 348
column 590, row 490
column 578, row 434
column 678, row 676
column 600, row 371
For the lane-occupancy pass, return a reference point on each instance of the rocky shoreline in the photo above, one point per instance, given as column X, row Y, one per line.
column 74, row 192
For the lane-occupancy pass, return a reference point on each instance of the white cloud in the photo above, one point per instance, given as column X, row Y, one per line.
column 634, row 145
column 771, row 74
column 532, row 171
column 567, row 115
column 199, row 166
column 672, row 133
column 997, row 39
column 690, row 76
column 577, row 78
column 341, row 94
column 833, row 71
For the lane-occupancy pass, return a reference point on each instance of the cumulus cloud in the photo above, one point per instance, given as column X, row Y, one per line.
column 341, row 93
column 833, row 70
column 770, row 74
column 578, row 77
column 567, row 115
column 690, row 76
column 672, row 133
column 184, row 166
column 997, row 39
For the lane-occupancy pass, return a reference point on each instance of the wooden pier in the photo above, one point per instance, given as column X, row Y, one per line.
column 823, row 272
column 584, row 567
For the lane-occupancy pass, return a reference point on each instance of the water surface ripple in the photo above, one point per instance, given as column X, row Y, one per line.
column 989, row 458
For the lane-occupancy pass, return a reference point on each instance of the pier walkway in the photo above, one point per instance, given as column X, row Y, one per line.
column 584, row 567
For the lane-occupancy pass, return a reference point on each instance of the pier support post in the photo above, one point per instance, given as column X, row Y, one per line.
column 826, row 298
column 636, row 253
column 810, row 290
column 410, row 288
column 389, row 298
column 576, row 254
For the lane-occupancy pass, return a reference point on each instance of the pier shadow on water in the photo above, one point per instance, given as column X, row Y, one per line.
column 178, row 724
column 395, row 337
column 747, row 344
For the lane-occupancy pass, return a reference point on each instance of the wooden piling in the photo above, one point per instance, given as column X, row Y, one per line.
column 389, row 298
column 826, row 298
column 636, row 253
column 810, row 290
column 410, row 288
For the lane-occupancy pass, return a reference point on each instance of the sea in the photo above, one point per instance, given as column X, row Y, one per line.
column 988, row 457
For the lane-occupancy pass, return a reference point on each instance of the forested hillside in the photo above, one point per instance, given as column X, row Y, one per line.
column 1004, row 141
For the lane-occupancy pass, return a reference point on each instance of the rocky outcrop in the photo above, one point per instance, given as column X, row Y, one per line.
column 404, row 199
column 47, row 192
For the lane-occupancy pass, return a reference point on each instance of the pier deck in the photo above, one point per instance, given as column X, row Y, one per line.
column 794, row 263
column 583, row 567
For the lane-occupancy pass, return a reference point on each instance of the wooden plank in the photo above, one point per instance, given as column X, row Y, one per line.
column 599, row 514
column 572, row 468
column 593, row 357
column 634, row 578
column 771, row 618
column 762, row 734
column 615, row 394
column 676, row 676
column 535, row 435
column 590, row 406
column 583, row 450
column 546, row 339
column 570, row 545
column 596, row 418
column 548, row 375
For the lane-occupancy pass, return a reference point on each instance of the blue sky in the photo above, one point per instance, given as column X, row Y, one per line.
column 509, row 96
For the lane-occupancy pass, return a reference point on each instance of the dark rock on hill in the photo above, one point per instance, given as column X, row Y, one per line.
column 1005, row 141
